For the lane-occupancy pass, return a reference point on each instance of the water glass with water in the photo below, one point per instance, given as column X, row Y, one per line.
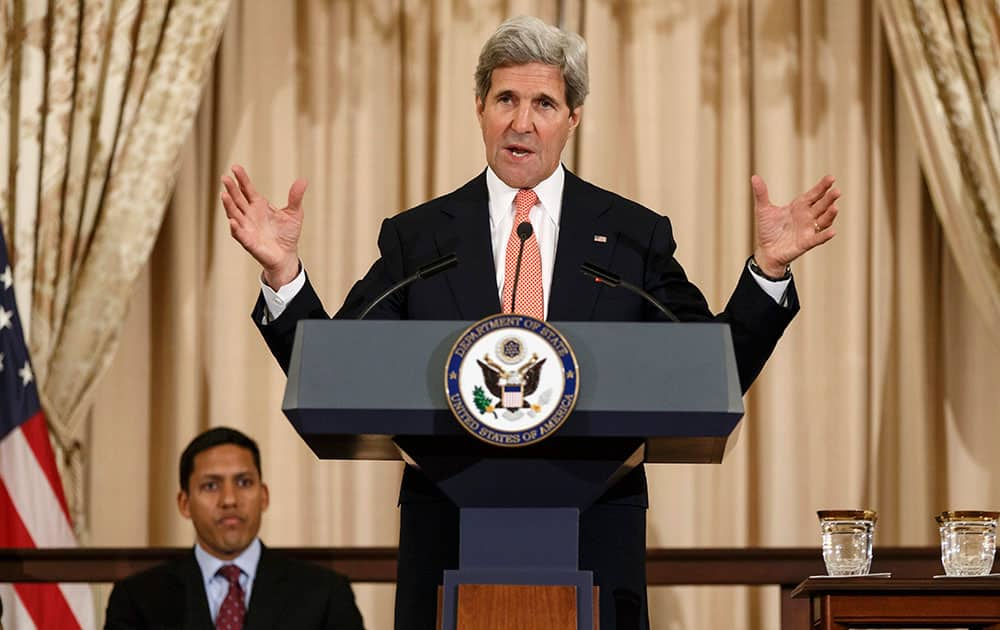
column 968, row 542
column 847, row 541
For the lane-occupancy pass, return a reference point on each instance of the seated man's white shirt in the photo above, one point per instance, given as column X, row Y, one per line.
column 216, row 586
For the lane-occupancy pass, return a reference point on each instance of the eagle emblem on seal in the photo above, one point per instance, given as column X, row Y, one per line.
column 511, row 380
column 512, row 386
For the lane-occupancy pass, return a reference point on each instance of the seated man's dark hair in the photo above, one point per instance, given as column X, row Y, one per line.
column 210, row 439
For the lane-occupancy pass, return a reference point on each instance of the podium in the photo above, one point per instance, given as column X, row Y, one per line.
column 651, row 392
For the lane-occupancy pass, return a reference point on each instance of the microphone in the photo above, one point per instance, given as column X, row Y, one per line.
column 614, row 280
column 432, row 268
column 524, row 232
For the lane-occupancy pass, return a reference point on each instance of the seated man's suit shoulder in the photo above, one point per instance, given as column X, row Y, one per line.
column 155, row 597
column 308, row 571
column 308, row 595
column 152, row 579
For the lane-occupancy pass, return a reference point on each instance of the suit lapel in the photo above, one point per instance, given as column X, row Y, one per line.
column 467, row 233
column 585, row 235
column 189, row 579
column 266, row 599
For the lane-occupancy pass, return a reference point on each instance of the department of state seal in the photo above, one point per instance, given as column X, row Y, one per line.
column 511, row 380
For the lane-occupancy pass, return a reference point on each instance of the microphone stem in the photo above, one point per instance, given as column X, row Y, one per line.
column 387, row 293
column 517, row 276
column 649, row 298
column 614, row 280
column 430, row 269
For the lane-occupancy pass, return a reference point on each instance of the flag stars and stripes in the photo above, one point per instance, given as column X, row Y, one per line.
column 33, row 510
column 25, row 374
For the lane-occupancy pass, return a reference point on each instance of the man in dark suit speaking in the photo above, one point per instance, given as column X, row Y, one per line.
column 230, row 580
column 531, row 82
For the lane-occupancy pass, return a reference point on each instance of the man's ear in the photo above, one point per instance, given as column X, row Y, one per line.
column 480, row 110
column 574, row 118
column 265, row 498
column 183, row 504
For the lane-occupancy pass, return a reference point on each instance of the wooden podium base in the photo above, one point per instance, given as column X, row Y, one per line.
column 517, row 607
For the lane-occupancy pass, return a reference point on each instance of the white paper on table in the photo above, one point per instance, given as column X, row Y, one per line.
column 848, row 577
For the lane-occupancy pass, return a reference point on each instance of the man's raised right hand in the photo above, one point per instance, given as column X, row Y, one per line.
column 270, row 234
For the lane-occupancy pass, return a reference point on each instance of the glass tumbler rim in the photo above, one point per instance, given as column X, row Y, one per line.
column 954, row 516
column 847, row 515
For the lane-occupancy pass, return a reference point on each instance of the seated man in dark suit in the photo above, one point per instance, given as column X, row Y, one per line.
column 230, row 580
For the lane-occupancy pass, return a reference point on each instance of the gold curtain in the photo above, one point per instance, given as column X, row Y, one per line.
column 98, row 97
column 879, row 395
column 948, row 56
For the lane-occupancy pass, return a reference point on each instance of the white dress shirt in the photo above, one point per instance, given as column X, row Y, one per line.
column 217, row 586
column 544, row 217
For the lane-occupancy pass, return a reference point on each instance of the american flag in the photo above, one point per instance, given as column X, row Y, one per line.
column 33, row 510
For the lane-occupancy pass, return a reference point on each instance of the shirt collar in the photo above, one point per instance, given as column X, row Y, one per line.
column 549, row 191
column 246, row 561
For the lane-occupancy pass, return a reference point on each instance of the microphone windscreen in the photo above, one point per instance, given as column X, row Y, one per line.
column 437, row 266
column 605, row 276
column 524, row 230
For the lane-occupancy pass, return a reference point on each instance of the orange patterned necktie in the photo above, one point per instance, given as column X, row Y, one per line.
column 233, row 609
column 530, row 298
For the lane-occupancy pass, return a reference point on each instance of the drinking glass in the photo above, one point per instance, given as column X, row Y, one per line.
column 968, row 542
column 847, row 541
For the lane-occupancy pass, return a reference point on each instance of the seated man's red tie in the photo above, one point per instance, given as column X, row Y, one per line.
column 233, row 608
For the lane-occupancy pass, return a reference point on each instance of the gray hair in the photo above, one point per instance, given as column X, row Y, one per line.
column 523, row 40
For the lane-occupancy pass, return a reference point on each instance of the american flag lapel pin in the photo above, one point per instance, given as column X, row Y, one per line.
column 600, row 238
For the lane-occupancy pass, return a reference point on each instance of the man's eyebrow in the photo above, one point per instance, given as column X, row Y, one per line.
column 541, row 96
column 213, row 476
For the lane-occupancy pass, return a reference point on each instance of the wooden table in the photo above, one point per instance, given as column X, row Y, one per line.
column 840, row 603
